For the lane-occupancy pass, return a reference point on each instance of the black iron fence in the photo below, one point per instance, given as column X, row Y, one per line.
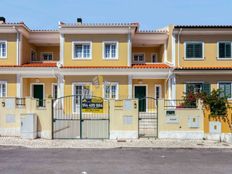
column 40, row 103
column 20, row 102
column 181, row 104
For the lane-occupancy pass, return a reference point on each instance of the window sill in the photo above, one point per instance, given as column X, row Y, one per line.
column 104, row 58
column 194, row 59
column 224, row 59
column 82, row 58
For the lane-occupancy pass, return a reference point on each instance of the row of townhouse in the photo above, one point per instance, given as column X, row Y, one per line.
column 163, row 63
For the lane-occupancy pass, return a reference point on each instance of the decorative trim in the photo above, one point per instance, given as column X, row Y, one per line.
column 194, row 135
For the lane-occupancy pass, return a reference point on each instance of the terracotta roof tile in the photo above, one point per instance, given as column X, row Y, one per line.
column 206, row 68
column 49, row 64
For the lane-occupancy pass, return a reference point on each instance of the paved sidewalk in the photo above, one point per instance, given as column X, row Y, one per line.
column 148, row 143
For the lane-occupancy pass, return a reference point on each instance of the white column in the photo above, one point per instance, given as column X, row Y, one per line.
column 165, row 52
column 19, row 86
column 60, row 86
column 173, row 88
column 169, row 88
column 130, row 87
column 173, row 50
column 62, row 49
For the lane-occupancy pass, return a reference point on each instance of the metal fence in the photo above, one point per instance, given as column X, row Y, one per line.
column 20, row 102
column 181, row 104
column 72, row 121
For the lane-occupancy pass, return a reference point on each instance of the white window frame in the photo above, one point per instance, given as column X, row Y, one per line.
column 139, row 62
column 4, row 82
column 160, row 86
column 185, row 83
column 42, row 53
column 117, row 50
column 194, row 42
column 81, row 58
column 225, row 82
column 4, row 57
column 111, row 83
column 152, row 54
column 35, row 55
column 74, row 84
column 222, row 58
column 54, row 84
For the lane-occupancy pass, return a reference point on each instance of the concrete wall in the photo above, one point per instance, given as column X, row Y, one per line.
column 123, row 119
column 181, row 124
column 10, row 117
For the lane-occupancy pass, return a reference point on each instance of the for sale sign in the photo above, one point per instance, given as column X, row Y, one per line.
column 92, row 105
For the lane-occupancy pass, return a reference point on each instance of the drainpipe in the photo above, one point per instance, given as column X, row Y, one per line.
column 178, row 63
column 129, row 47
column 17, row 45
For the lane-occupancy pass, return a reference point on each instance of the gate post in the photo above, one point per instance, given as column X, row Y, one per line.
column 52, row 119
column 80, row 117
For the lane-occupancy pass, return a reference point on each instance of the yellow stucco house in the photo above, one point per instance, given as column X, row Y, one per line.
column 114, row 61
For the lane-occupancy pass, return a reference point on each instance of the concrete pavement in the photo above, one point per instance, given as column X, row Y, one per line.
column 114, row 161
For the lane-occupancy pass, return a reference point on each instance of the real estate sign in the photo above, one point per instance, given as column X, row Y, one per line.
column 92, row 105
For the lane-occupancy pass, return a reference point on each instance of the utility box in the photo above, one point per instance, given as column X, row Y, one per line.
column 28, row 129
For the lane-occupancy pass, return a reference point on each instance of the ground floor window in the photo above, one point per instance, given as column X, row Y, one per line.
column 111, row 90
column 197, row 87
column 3, row 86
column 158, row 94
column 225, row 89
column 83, row 90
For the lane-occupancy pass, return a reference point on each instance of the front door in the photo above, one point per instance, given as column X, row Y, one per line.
column 38, row 93
column 140, row 93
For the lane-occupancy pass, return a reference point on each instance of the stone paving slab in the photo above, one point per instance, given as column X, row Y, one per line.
column 146, row 143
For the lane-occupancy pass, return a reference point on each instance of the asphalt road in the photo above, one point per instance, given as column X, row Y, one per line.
column 19, row 160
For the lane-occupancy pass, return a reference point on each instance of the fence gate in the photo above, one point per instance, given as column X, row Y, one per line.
column 77, row 117
column 148, row 117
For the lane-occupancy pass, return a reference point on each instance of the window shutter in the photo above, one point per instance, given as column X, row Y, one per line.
column 206, row 88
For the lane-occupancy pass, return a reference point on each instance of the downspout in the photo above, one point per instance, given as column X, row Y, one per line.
column 17, row 45
column 129, row 46
column 179, row 33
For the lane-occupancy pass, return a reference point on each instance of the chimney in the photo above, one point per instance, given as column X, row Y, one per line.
column 79, row 20
column 2, row 20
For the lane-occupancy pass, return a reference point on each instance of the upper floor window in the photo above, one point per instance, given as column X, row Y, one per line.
column 33, row 55
column 3, row 87
column 225, row 89
column 194, row 50
column 110, row 50
column 3, row 49
column 46, row 56
column 138, row 58
column 111, row 90
column 224, row 50
column 82, row 50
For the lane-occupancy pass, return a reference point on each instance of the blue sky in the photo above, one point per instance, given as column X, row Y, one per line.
column 151, row 14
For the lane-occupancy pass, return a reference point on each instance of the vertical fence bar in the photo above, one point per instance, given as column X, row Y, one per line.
column 52, row 120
